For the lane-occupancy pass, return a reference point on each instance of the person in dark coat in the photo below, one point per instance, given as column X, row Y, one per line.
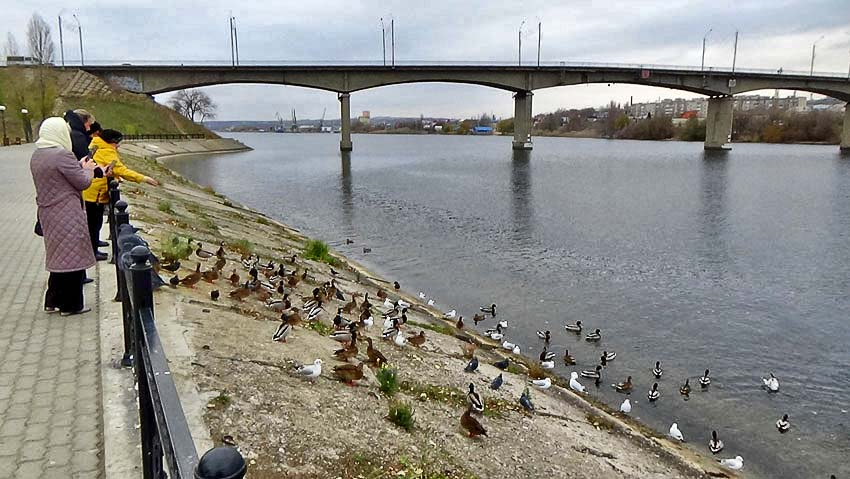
column 80, row 122
column 59, row 178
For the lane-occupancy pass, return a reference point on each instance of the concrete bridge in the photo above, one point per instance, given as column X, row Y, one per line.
column 718, row 84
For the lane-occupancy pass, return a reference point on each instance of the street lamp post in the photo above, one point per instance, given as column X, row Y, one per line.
column 812, row 65
column 25, row 114
column 384, row 40
column 80, row 30
column 61, row 41
column 519, row 43
column 392, row 39
column 735, row 52
column 539, row 32
column 704, row 38
column 3, row 119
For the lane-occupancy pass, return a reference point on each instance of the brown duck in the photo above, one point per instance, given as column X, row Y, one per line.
column 210, row 275
column 293, row 318
column 220, row 264
column 471, row 425
column 192, row 279
column 234, row 278
column 459, row 323
column 293, row 281
column 381, row 294
column 220, row 252
column 349, row 372
column 349, row 351
column 375, row 356
column 263, row 294
column 349, row 306
column 240, row 294
column 478, row 318
column 417, row 340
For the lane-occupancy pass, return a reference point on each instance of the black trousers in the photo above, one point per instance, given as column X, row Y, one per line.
column 65, row 291
column 94, row 215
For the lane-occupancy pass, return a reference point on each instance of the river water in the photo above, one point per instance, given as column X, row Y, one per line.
column 739, row 262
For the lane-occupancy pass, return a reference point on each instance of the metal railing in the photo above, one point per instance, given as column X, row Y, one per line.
column 166, row 136
column 167, row 443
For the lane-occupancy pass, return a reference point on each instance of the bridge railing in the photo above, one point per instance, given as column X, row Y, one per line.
column 167, row 443
column 166, row 136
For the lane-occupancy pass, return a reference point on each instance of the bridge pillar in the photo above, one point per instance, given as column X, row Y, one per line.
column 345, row 122
column 845, row 133
column 718, row 123
column 522, row 121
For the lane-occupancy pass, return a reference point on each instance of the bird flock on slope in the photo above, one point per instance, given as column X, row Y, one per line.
column 272, row 283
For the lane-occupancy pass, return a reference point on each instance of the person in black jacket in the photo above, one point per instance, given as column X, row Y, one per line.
column 80, row 122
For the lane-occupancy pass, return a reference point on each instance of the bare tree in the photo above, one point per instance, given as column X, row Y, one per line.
column 193, row 104
column 11, row 48
column 40, row 41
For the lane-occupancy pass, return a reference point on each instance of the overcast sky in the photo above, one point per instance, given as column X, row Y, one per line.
column 774, row 33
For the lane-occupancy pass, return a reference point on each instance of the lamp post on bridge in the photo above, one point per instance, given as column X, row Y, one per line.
column 704, row 38
column 80, row 30
column 519, row 43
column 3, row 119
column 384, row 40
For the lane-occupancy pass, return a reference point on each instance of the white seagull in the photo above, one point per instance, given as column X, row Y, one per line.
column 771, row 383
column 421, row 295
column 310, row 371
column 544, row 383
column 574, row 384
column 626, row 407
column 451, row 314
column 736, row 463
column 675, row 433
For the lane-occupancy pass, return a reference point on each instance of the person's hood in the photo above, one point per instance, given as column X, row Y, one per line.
column 74, row 120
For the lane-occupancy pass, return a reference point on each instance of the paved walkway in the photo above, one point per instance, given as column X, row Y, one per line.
column 50, row 389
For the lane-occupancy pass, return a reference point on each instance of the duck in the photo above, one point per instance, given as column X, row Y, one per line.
column 471, row 425
column 459, row 323
column 547, row 364
column 783, row 425
column 608, row 357
column 568, row 359
column 250, row 261
column 511, row 347
column 339, row 321
column 367, row 322
column 503, row 364
column 241, row 293
column 595, row 374
column 477, row 318
column 220, row 264
column 675, row 433
column 399, row 340
column 736, row 463
column 715, row 445
column 315, row 312
column 685, row 390
column 282, row 332
column 381, row 294
column 771, row 383
column 234, row 278
column 344, row 335
column 653, row 394
column 657, row 371
column 293, row 318
column 403, row 304
column 375, row 356
column 389, row 304
column 495, row 334
column 497, row 382
column 311, row 371
column 451, row 314
column 705, row 381
column 474, row 400
column 349, row 307
column 431, row 302
column 626, row 407
column 544, row 335
column 624, row 387
column 391, row 331
column 396, row 286
column 472, row 365
column 417, row 340
column 171, row 267
column 422, row 295
column 349, row 373
column 503, row 323
column 594, row 336
column 573, row 328
column 277, row 304
column 215, row 294
column 174, row 281
column 348, row 352
column 574, row 384
column 202, row 253
column 491, row 310
column 192, row 279
column 544, row 383
column 525, row 402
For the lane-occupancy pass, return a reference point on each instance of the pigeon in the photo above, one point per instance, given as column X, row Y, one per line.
column 626, row 407
column 496, row 383
column 311, row 371
column 574, row 384
column 525, row 402
column 215, row 294
column 472, row 365
column 736, row 463
column 675, row 433
column 503, row 364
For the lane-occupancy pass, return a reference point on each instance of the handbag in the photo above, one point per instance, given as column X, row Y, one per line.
column 37, row 230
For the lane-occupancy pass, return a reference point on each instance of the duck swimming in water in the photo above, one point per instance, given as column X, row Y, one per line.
column 686, row 388
column 547, row 359
column 653, row 394
column 495, row 334
column 705, row 380
column 595, row 374
column 657, row 371
column 491, row 310
column 783, row 425
column 594, row 336
column 607, row 357
column 624, row 387
column 544, row 335
column 715, row 445
column 771, row 383
column 573, row 328
column 568, row 359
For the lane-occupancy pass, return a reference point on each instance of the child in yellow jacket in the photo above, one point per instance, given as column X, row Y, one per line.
column 97, row 194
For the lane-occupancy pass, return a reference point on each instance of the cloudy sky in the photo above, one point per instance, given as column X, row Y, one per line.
column 774, row 33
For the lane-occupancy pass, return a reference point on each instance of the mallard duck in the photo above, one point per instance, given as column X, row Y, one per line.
column 422, row 295
column 339, row 321
column 474, row 400
column 573, row 328
column 736, row 463
column 349, row 351
column 174, row 281
column 459, row 323
column 375, row 356
column 715, row 445
column 508, row 345
column 293, row 281
column 293, row 318
column 282, row 332
column 234, row 278
column 544, row 383
column 220, row 264
column 594, row 336
column 366, row 305
column 657, row 371
column 783, row 425
column 263, row 294
column 705, row 381
column 608, row 357
column 192, row 279
column 215, row 294
column 310, row 372
column 525, row 402
column 496, row 383
column 574, row 384
column 349, row 373
column 277, row 305
column 568, row 359
column 547, row 355
column 241, row 293
column 771, row 383
column 594, row 374
column 545, row 335
column 390, row 332
column 210, row 275
column 396, row 286
column 381, row 294
column 315, row 312
column 250, row 261
column 491, row 310
column 471, row 425
column 686, row 388
column 675, row 433
column 349, row 306
column 626, row 407
column 202, row 253
column 399, row 339
column 624, row 387
column 653, row 394
column 417, row 340
column 503, row 364
column 220, row 251
column 495, row 334
column 171, row 267
column 344, row 335
column 477, row 318
column 472, row 365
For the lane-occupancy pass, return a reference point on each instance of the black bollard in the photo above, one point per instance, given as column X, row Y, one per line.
column 221, row 463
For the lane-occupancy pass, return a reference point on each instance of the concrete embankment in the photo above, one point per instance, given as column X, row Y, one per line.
column 241, row 382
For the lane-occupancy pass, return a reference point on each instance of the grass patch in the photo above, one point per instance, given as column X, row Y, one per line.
column 165, row 207
column 262, row 221
column 320, row 328
column 243, row 246
column 401, row 414
column 318, row 251
column 514, row 368
column 600, row 422
column 221, row 401
column 439, row 328
column 389, row 381
column 209, row 224
column 535, row 371
column 494, row 408
column 175, row 247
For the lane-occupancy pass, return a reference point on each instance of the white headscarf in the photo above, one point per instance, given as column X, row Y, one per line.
column 54, row 132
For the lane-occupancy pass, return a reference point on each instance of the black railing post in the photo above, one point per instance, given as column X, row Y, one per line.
column 221, row 463
column 122, row 217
